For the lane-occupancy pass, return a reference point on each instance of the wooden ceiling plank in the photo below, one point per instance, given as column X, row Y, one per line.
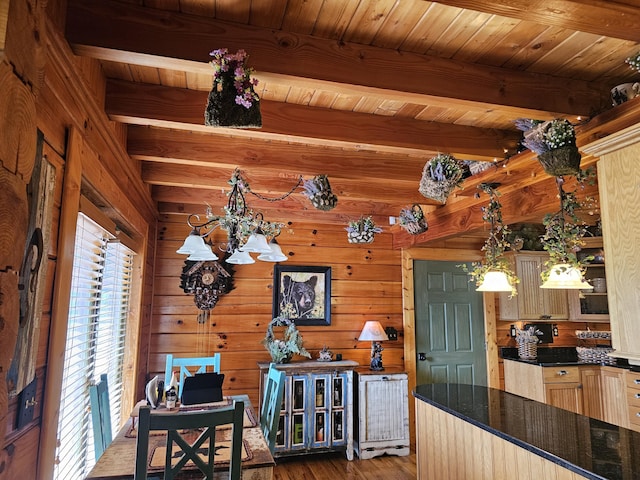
column 297, row 123
column 166, row 37
column 601, row 17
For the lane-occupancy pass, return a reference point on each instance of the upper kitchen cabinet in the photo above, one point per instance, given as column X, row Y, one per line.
column 619, row 188
column 533, row 302
column 591, row 306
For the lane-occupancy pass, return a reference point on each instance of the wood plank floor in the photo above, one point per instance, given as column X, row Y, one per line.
column 335, row 466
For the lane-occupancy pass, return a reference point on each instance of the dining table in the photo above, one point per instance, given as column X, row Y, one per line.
column 119, row 458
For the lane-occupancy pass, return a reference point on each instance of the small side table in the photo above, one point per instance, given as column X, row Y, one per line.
column 381, row 406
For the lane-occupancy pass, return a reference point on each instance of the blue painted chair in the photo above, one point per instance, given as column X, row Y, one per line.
column 204, row 446
column 187, row 367
column 100, row 415
column 272, row 404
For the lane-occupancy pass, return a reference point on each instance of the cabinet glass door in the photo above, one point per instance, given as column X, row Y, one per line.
column 338, row 398
column 298, row 427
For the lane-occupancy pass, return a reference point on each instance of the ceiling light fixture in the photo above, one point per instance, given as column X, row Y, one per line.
column 247, row 232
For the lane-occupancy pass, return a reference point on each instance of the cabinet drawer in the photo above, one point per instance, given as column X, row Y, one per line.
column 561, row 374
column 633, row 380
column 634, row 416
column 633, row 397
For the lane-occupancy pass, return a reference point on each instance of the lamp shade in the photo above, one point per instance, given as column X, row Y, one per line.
column 257, row 243
column 373, row 331
column 240, row 258
column 275, row 255
column 495, row 282
column 204, row 254
column 565, row 276
column 193, row 243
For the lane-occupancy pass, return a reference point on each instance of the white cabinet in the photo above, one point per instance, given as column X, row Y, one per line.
column 533, row 302
column 317, row 411
column 382, row 414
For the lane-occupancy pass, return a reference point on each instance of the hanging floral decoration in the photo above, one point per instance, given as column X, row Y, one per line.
column 232, row 100
column 282, row 350
column 362, row 230
column 318, row 191
column 412, row 219
column 441, row 174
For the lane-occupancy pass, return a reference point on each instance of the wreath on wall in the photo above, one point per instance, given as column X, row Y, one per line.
column 281, row 350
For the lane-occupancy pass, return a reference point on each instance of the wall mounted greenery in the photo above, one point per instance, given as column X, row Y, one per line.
column 362, row 230
column 441, row 174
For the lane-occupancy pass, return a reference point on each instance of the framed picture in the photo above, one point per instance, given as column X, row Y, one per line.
column 302, row 294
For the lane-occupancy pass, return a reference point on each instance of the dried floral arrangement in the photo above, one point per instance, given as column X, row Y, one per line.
column 362, row 230
column 441, row 174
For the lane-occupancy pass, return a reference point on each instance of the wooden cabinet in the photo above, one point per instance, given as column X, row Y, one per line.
column 557, row 386
column 381, row 414
column 591, row 391
column 614, row 401
column 618, row 180
column 590, row 306
column 633, row 400
column 317, row 411
column 533, row 302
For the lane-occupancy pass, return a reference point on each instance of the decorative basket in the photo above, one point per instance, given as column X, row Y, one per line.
column 436, row 190
column 364, row 236
column 479, row 167
column 222, row 109
column 528, row 350
column 413, row 220
column 561, row 161
column 595, row 355
column 318, row 190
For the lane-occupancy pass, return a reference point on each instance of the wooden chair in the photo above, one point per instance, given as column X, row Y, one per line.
column 183, row 364
column 174, row 423
column 272, row 404
column 100, row 415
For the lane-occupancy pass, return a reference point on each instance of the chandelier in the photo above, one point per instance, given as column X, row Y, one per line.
column 246, row 231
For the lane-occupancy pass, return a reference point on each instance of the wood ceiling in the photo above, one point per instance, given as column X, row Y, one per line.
column 365, row 91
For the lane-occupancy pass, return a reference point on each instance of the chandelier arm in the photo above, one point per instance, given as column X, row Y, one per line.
column 281, row 197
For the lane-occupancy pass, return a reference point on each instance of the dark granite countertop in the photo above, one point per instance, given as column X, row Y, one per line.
column 590, row 447
column 557, row 357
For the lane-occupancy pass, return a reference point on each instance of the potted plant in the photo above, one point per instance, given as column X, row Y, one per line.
column 318, row 190
column 563, row 239
column 495, row 273
column 441, row 174
column 412, row 219
column 527, row 341
column 362, row 230
column 232, row 101
column 282, row 350
column 555, row 143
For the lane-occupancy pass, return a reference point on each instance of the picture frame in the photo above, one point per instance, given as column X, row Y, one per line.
column 302, row 294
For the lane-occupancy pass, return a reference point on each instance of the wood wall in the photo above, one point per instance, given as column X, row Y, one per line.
column 366, row 285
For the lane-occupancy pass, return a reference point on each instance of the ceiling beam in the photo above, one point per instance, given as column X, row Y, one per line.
column 168, row 39
column 146, row 104
column 601, row 17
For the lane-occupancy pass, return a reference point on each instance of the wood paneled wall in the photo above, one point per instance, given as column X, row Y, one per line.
column 366, row 285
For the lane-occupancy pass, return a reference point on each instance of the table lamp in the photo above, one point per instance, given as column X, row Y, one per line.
column 374, row 332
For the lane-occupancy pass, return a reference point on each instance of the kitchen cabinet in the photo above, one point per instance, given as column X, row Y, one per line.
column 618, row 180
column 633, row 399
column 317, row 411
column 590, row 306
column 614, row 401
column 591, row 380
column 533, row 302
column 557, row 386
column 381, row 414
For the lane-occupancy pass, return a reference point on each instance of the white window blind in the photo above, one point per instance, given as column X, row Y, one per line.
column 98, row 312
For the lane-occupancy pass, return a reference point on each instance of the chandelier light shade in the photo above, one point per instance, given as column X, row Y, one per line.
column 192, row 243
column 205, row 254
column 373, row 332
column 495, row 282
column 257, row 243
column 275, row 255
column 240, row 257
column 566, row 277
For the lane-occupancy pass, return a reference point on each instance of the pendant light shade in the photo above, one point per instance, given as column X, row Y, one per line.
column 240, row 258
column 204, row 254
column 275, row 255
column 495, row 282
column 565, row 276
column 257, row 243
column 193, row 243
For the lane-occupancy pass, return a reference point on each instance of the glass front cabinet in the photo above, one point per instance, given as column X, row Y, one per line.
column 316, row 409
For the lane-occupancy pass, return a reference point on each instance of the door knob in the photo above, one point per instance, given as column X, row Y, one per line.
column 422, row 356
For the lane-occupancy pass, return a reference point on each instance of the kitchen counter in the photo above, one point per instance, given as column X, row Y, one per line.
column 536, row 435
column 557, row 357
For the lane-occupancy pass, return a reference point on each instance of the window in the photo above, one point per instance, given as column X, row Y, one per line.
column 98, row 311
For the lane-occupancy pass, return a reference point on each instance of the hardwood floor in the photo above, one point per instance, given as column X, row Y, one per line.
column 335, row 466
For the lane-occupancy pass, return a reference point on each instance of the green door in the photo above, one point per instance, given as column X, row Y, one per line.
column 450, row 338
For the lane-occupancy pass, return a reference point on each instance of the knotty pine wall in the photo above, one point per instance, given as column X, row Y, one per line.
column 366, row 282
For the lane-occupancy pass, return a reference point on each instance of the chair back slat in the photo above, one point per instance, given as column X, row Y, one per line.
column 100, row 415
column 186, row 367
column 272, row 405
column 175, row 423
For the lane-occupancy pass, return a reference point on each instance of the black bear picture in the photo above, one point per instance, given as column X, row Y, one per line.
column 302, row 294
